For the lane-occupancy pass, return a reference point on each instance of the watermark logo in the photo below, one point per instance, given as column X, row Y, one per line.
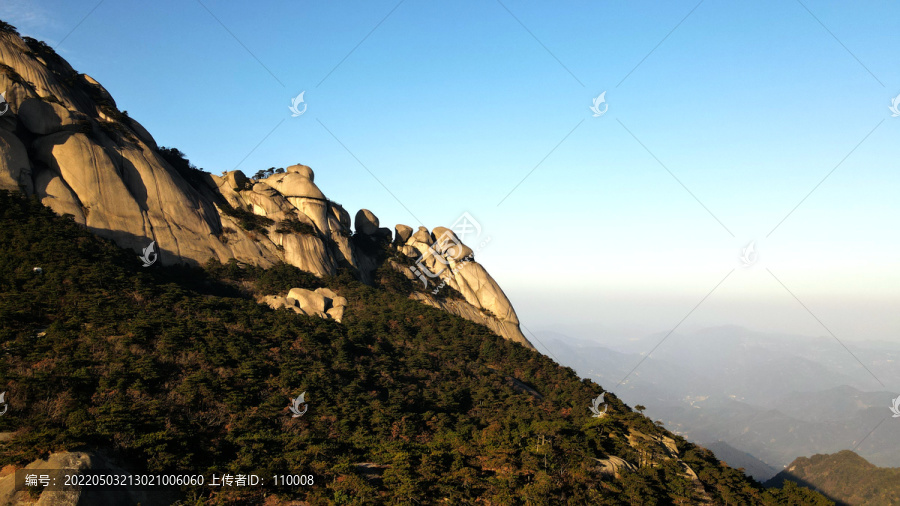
column 299, row 406
column 3, row 403
column 450, row 246
column 600, row 100
column 295, row 105
column 894, row 409
column 895, row 107
column 749, row 254
column 465, row 225
column 446, row 243
column 4, row 105
column 149, row 257
column 595, row 406
column 420, row 271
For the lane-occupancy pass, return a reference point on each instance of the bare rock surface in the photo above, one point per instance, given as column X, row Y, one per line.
column 42, row 117
column 64, row 140
column 366, row 222
column 15, row 169
column 321, row 302
column 402, row 233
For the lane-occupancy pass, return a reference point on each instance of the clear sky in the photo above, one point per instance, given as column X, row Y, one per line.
column 722, row 117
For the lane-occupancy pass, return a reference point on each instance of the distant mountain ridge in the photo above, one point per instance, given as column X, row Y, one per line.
column 844, row 477
column 726, row 390
column 751, row 465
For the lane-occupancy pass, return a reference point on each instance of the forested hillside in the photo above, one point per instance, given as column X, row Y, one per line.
column 845, row 477
column 176, row 369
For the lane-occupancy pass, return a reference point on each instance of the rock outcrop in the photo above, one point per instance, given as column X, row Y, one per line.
column 64, row 140
column 322, row 302
column 612, row 465
column 440, row 260
column 74, row 463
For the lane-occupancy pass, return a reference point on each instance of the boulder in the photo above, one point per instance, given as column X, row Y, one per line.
column 409, row 251
column 235, row 179
column 366, row 222
column 309, row 300
column 326, row 292
column 423, row 236
column 448, row 244
column 294, row 184
column 402, row 233
column 264, row 190
column 277, row 302
column 342, row 216
column 310, row 303
column 336, row 313
column 303, row 170
column 266, row 201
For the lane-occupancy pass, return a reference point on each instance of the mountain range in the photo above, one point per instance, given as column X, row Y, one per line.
column 774, row 397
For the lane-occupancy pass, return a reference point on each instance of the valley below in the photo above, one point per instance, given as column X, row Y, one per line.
column 761, row 399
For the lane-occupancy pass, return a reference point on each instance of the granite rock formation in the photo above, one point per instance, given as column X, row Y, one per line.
column 64, row 140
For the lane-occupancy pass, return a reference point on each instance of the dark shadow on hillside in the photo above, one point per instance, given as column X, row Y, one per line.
column 779, row 479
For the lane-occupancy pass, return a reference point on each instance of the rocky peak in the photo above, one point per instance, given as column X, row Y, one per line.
column 64, row 140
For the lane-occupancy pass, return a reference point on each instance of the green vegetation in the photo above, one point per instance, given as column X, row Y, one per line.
column 294, row 226
column 8, row 28
column 193, row 175
column 262, row 174
column 179, row 369
column 43, row 50
column 14, row 76
column 844, row 477
column 248, row 220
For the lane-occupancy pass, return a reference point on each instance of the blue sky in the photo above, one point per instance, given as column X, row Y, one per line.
column 734, row 117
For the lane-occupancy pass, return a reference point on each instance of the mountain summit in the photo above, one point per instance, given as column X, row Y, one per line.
column 64, row 140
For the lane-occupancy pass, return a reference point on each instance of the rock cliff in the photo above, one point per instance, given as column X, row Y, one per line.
column 64, row 140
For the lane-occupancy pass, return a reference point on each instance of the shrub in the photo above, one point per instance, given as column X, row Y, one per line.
column 193, row 175
column 248, row 220
column 296, row 227
column 7, row 28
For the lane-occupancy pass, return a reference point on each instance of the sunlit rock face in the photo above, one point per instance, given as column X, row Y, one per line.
column 64, row 140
